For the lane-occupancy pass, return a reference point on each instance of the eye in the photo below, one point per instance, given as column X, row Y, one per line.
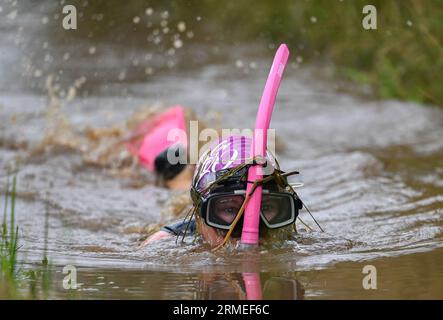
column 227, row 209
column 269, row 206
column 230, row 210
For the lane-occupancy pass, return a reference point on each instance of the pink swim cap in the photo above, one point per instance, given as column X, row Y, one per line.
column 227, row 153
column 156, row 139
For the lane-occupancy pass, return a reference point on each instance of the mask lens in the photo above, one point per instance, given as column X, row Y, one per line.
column 277, row 210
column 222, row 210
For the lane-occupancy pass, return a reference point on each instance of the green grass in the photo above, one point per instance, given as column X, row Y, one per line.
column 12, row 276
column 9, row 242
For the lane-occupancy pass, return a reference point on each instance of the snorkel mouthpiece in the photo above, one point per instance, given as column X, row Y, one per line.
column 250, row 231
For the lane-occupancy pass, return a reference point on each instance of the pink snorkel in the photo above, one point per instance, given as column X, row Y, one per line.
column 253, row 286
column 250, row 232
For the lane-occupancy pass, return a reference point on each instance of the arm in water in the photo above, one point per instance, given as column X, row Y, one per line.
column 174, row 229
column 159, row 235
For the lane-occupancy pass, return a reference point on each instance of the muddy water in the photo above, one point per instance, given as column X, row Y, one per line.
column 372, row 170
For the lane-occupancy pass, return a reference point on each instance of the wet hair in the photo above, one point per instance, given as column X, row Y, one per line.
column 166, row 170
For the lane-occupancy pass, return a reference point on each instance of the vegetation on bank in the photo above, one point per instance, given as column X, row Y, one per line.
column 8, row 244
column 402, row 58
column 15, row 282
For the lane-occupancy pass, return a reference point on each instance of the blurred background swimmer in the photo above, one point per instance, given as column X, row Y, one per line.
column 152, row 141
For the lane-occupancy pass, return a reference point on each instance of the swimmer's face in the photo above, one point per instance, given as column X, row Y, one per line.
column 215, row 236
column 227, row 208
column 270, row 208
column 209, row 234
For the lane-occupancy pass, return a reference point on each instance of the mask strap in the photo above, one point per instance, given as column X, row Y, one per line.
column 307, row 209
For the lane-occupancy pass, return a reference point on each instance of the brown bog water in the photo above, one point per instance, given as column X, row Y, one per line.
column 372, row 170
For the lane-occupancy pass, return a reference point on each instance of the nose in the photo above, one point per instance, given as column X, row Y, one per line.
column 236, row 233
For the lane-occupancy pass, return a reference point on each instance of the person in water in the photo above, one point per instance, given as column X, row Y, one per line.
column 218, row 193
column 153, row 148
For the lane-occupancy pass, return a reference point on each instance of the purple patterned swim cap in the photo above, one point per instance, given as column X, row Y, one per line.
column 227, row 153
